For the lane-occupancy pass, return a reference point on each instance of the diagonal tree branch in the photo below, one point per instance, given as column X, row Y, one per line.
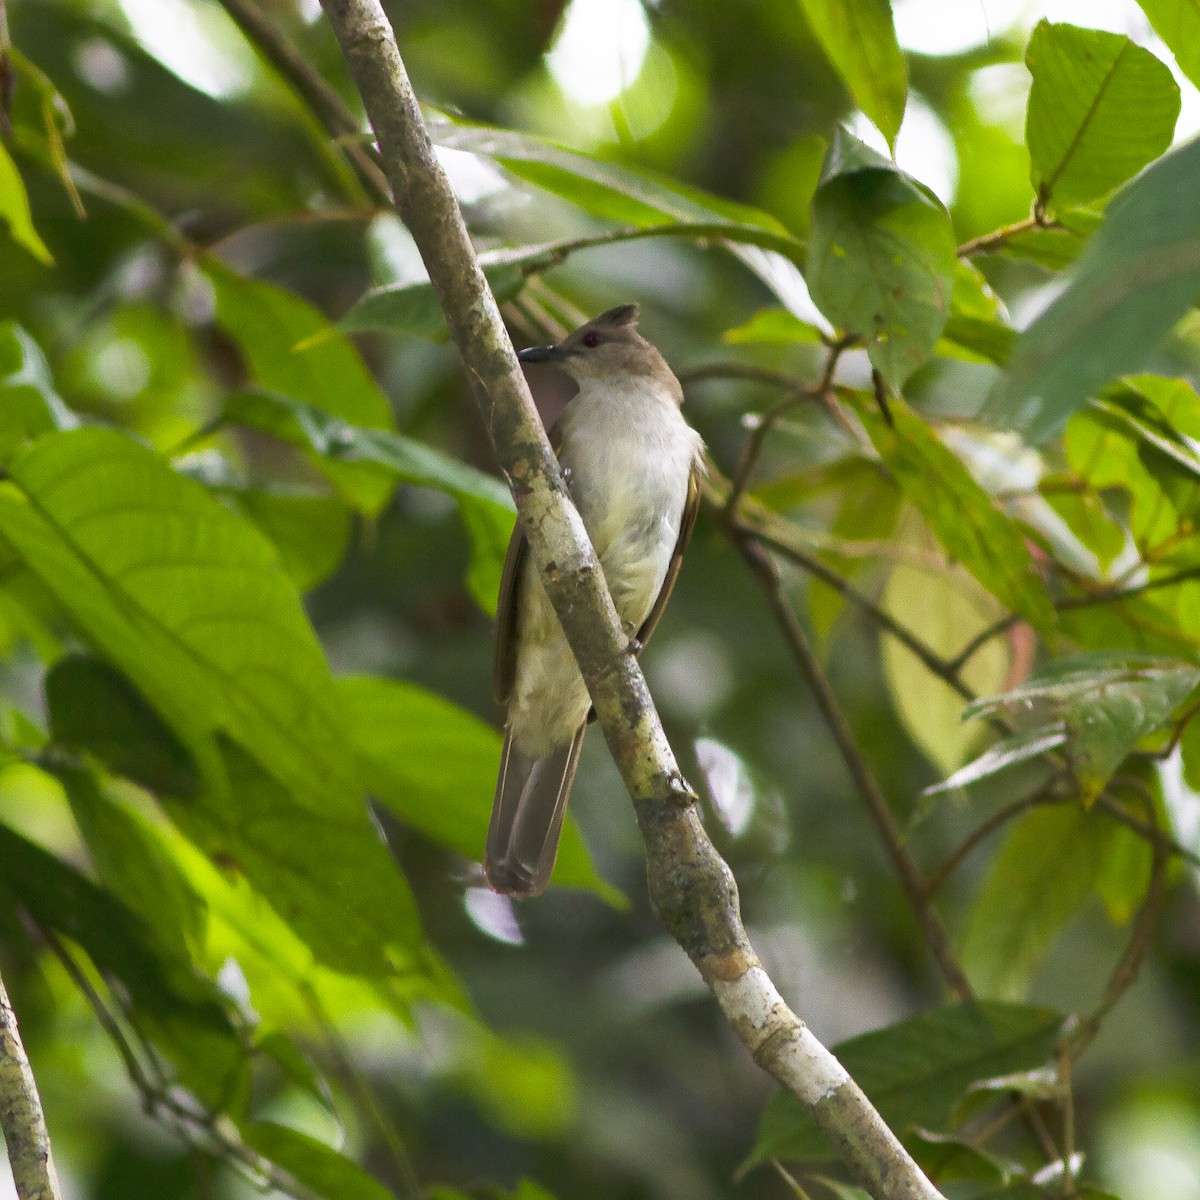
column 690, row 885
column 21, row 1116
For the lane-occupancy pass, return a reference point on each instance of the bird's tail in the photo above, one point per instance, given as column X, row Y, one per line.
column 527, row 816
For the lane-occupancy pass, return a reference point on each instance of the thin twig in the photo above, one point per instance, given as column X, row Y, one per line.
column 983, row 830
column 748, row 459
column 194, row 1125
column 326, row 105
column 21, row 1117
column 877, row 806
column 999, row 238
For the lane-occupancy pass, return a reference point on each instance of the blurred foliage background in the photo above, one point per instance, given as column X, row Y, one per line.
column 182, row 853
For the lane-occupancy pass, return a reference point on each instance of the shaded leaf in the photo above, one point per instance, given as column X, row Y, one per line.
column 960, row 513
column 772, row 325
column 1007, row 752
column 1100, row 109
column 606, row 189
column 311, row 532
column 1045, row 871
column 484, row 502
column 1137, row 276
column 95, row 710
column 434, row 765
column 860, row 40
column 29, row 405
column 269, row 324
column 916, row 1071
column 881, row 257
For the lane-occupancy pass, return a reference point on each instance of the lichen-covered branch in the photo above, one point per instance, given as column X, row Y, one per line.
column 21, row 1116
column 691, row 887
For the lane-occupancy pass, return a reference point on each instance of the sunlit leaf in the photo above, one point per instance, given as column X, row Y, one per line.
column 14, row 210
column 881, row 257
column 188, row 599
column 1100, row 109
column 860, row 40
column 1045, row 871
column 177, row 1008
column 1177, row 22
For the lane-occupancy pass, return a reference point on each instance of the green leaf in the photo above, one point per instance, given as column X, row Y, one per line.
column 312, row 1163
column 881, row 257
column 14, row 210
column 269, row 324
column 413, row 308
column 1177, row 22
column 311, row 532
column 860, row 40
column 177, row 1008
column 944, row 609
column 188, row 599
column 960, row 513
column 130, row 859
column 1104, row 702
column 606, row 189
column 1044, row 872
column 1008, row 752
column 772, row 326
column 1137, row 276
column 434, row 765
column 95, row 710
column 916, row 1070
column 328, row 874
column 484, row 502
column 29, row 405
column 1100, row 109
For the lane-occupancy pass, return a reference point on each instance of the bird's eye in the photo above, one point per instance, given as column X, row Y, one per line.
column 591, row 340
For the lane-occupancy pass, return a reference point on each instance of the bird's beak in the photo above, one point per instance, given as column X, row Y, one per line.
column 538, row 354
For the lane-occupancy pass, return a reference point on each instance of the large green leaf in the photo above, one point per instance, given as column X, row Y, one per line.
column 14, row 210
column 177, row 1008
column 1045, row 871
column 129, row 858
column 860, row 40
column 319, row 1167
column 485, row 503
column 188, row 599
column 881, row 257
column 1102, row 703
column 434, row 765
column 1100, row 109
column 291, row 349
column 1137, row 276
column 328, row 874
column 916, row 1071
column 616, row 193
column 1177, row 22
column 960, row 513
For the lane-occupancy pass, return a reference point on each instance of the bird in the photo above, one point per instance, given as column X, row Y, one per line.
column 633, row 466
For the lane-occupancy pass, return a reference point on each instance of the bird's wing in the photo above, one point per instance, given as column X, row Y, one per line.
column 691, row 507
column 505, row 655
